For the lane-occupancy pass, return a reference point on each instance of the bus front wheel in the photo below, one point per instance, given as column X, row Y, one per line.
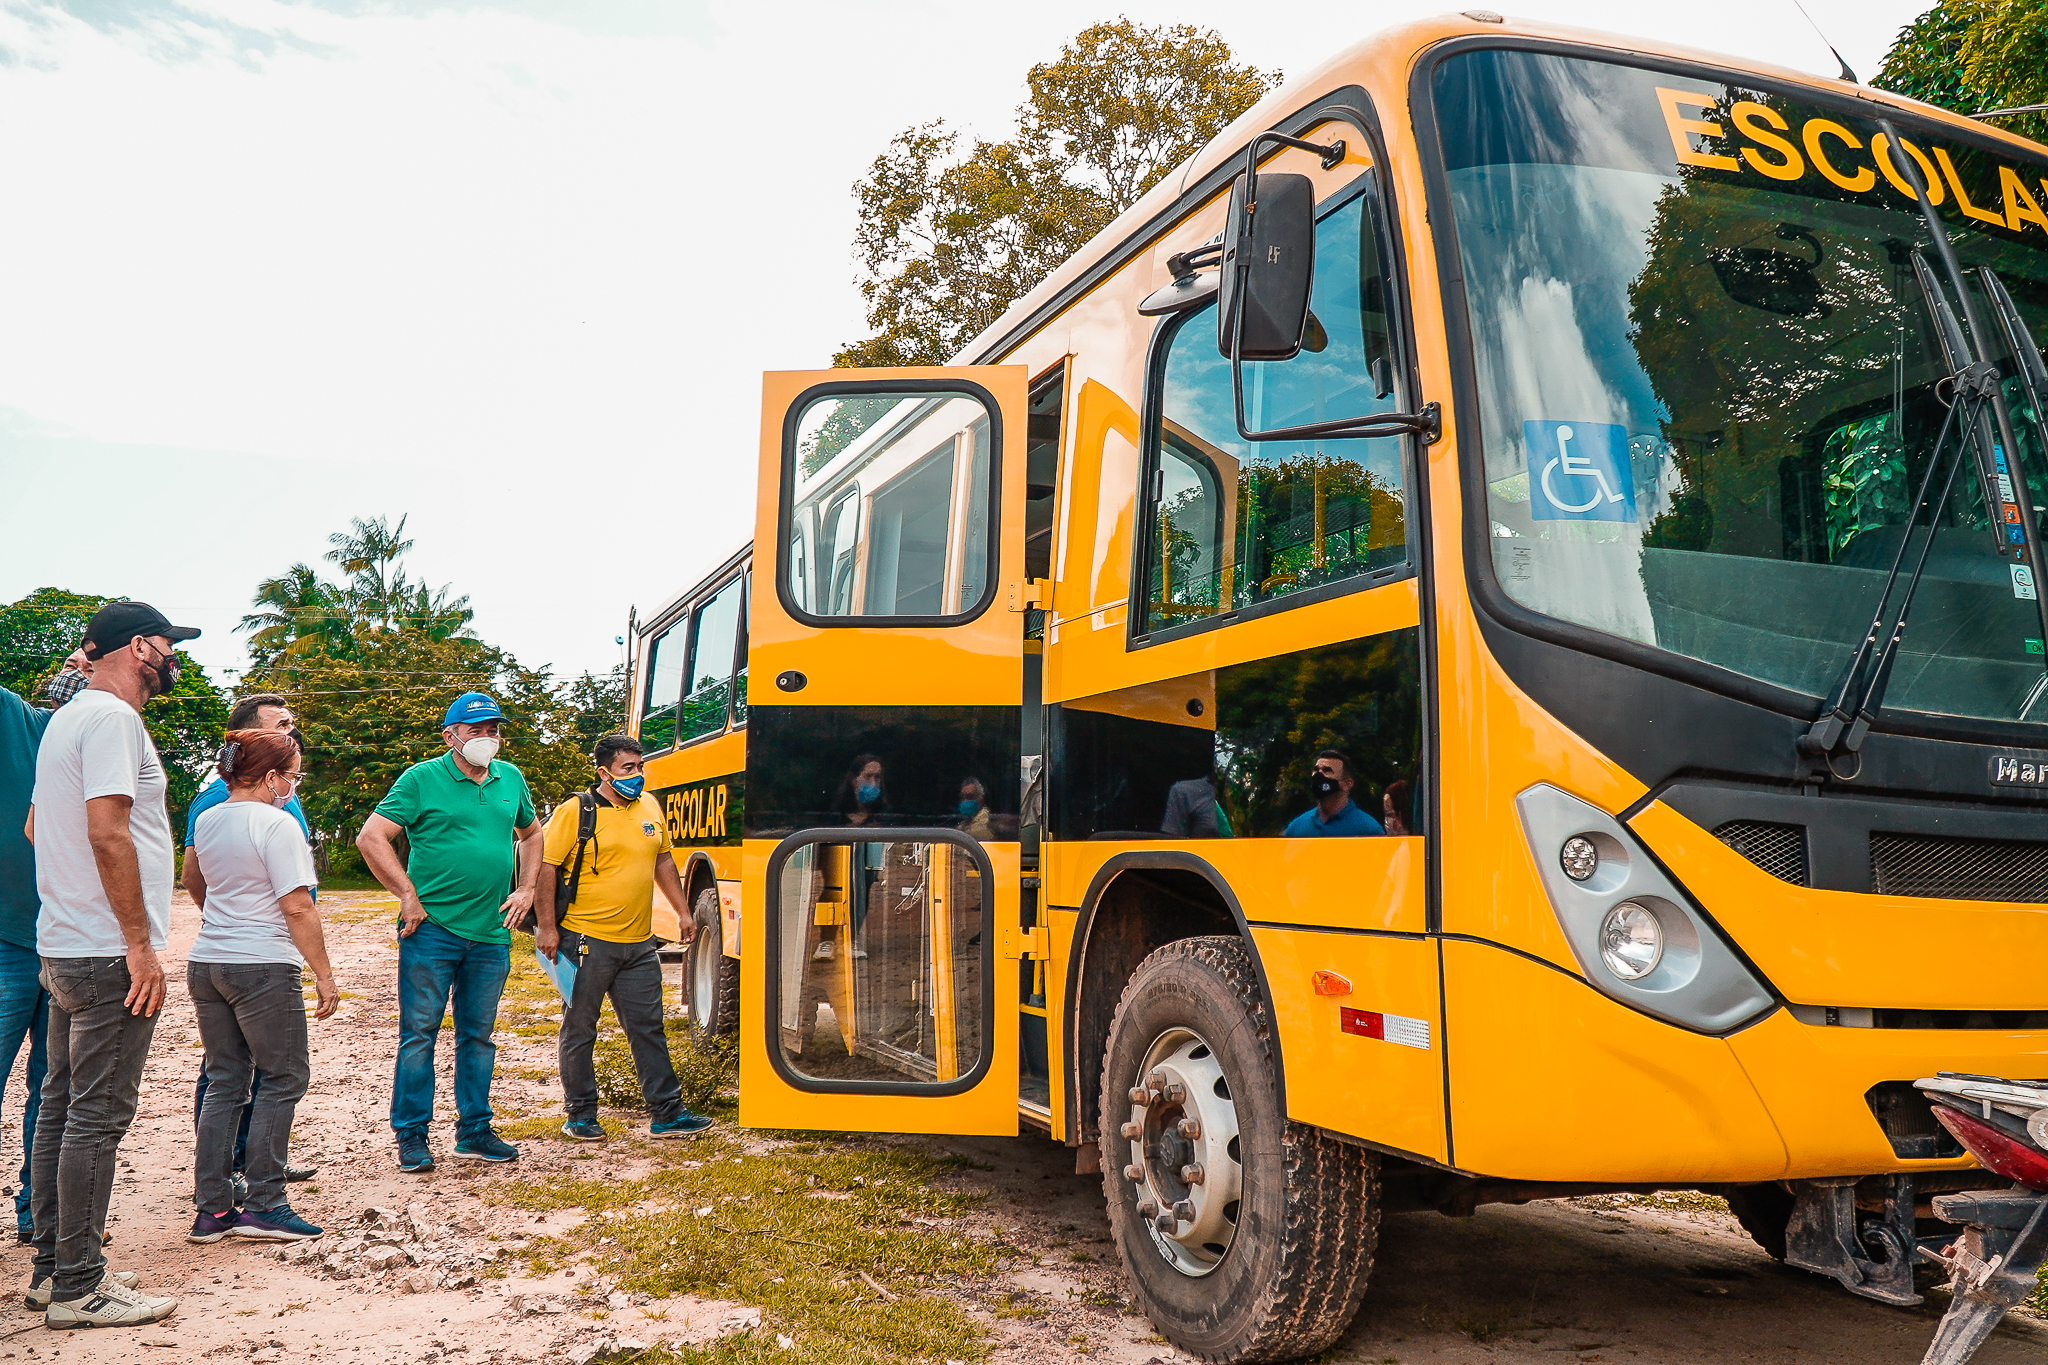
column 1247, row 1238
column 714, row 978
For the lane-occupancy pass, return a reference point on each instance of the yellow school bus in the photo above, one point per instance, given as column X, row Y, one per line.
column 688, row 706
column 1379, row 685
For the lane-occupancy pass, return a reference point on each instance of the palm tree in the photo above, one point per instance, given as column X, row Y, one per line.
column 298, row 614
column 368, row 552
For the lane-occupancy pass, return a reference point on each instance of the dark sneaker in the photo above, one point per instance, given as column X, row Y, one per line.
column 211, row 1227
column 485, row 1146
column 38, row 1296
column 273, row 1225
column 683, row 1125
column 585, row 1130
column 111, row 1304
column 241, row 1184
column 294, row 1174
column 413, row 1155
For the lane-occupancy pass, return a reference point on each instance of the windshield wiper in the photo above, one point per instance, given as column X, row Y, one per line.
column 1841, row 725
column 1976, row 388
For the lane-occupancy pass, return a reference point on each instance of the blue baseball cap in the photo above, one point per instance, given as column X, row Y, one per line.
column 471, row 708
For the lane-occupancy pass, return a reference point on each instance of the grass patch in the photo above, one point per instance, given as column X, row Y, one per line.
column 1681, row 1201
column 771, row 1238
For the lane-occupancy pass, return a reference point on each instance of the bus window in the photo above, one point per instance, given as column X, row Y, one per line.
column 919, row 544
column 710, row 697
column 1236, row 523
column 879, row 963
column 841, row 527
column 739, row 678
column 1041, row 473
column 664, row 683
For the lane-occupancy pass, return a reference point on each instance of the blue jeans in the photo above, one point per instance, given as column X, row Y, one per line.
column 433, row 964
column 24, row 1013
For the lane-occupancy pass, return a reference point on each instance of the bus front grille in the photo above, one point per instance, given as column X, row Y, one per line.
column 1958, row 869
column 1778, row 849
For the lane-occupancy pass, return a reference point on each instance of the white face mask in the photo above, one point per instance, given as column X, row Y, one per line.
column 480, row 751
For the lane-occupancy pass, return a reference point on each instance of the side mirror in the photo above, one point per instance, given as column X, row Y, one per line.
column 1269, row 262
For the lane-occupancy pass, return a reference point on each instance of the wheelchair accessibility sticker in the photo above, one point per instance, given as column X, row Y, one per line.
column 1579, row 471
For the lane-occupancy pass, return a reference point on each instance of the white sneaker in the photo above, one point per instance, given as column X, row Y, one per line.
column 110, row 1305
column 824, row 952
column 38, row 1295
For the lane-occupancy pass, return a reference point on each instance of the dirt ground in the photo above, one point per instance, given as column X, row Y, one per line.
column 1588, row 1281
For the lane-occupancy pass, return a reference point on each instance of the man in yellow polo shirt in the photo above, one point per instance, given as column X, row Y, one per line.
column 607, row 931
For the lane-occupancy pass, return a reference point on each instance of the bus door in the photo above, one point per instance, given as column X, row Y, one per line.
column 881, row 896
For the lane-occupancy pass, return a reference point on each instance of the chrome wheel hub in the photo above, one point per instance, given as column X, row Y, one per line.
column 1184, row 1169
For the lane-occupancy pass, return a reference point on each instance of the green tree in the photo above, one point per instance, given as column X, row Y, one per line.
column 185, row 724
column 947, row 241
column 296, row 613
column 368, row 717
column 1972, row 55
column 597, row 706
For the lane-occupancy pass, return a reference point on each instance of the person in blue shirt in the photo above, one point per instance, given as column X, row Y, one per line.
column 1333, row 815
column 258, row 711
column 24, row 1004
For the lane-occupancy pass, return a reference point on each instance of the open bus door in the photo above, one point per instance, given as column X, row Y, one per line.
column 885, row 684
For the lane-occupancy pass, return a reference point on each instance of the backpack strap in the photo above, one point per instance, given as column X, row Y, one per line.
column 586, row 832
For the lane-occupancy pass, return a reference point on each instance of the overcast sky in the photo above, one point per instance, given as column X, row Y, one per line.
column 509, row 269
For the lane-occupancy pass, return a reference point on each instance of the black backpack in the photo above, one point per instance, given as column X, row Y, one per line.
column 567, row 879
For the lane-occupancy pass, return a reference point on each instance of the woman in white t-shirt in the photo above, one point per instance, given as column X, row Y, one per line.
column 257, row 933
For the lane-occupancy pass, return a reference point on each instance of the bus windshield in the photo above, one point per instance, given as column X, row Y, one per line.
column 1709, row 380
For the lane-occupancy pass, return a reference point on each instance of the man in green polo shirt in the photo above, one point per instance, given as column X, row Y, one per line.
column 456, row 893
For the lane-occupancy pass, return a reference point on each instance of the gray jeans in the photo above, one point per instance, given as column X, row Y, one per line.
column 252, row 1017
column 97, row 1051
column 631, row 974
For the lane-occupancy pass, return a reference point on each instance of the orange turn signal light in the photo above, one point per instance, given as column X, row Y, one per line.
column 1330, row 983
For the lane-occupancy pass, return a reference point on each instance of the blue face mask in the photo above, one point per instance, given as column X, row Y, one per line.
column 968, row 808
column 629, row 787
column 868, row 792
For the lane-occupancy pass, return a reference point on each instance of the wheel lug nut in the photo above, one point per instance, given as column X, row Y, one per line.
column 1189, row 1128
column 1184, row 1211
column 1164, row 1222
column 1140, row 1096
column 1133, row 1130
column 1148, row 1209
column 1134, row 1171
column 1191, row 1175
column 1156, row 1081
column 1176, row 1093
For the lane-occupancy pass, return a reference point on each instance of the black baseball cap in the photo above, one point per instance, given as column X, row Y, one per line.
column 117, row 623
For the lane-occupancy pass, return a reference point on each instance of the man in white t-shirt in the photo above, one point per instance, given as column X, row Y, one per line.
column 104, row 866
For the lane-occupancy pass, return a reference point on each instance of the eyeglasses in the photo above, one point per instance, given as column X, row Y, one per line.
column 294, row 778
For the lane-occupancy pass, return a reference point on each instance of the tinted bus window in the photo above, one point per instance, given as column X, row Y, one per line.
column 1233, row 522
column 710, row 697
column 664, row 682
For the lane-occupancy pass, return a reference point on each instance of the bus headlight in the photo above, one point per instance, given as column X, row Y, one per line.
column 1631, row 941
column 1637, row 935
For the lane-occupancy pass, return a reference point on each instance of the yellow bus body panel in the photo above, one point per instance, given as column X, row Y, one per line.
column 720, row 756
column 1828, row 1128
column 1382, row 1091
column 1550, row 1080
column 1844, row 948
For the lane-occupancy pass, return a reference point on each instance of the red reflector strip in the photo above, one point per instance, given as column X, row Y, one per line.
column 1391, row 1028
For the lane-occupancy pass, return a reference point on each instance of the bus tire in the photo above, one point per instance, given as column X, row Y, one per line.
column 1274, row 1260
column 714, row 978
column 1765, row 1212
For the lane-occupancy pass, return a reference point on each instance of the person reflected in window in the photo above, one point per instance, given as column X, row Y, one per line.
column 973, row 807
column 1333, row 814
column 862, row 798
column 1394, row 804
column 1193, row 812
